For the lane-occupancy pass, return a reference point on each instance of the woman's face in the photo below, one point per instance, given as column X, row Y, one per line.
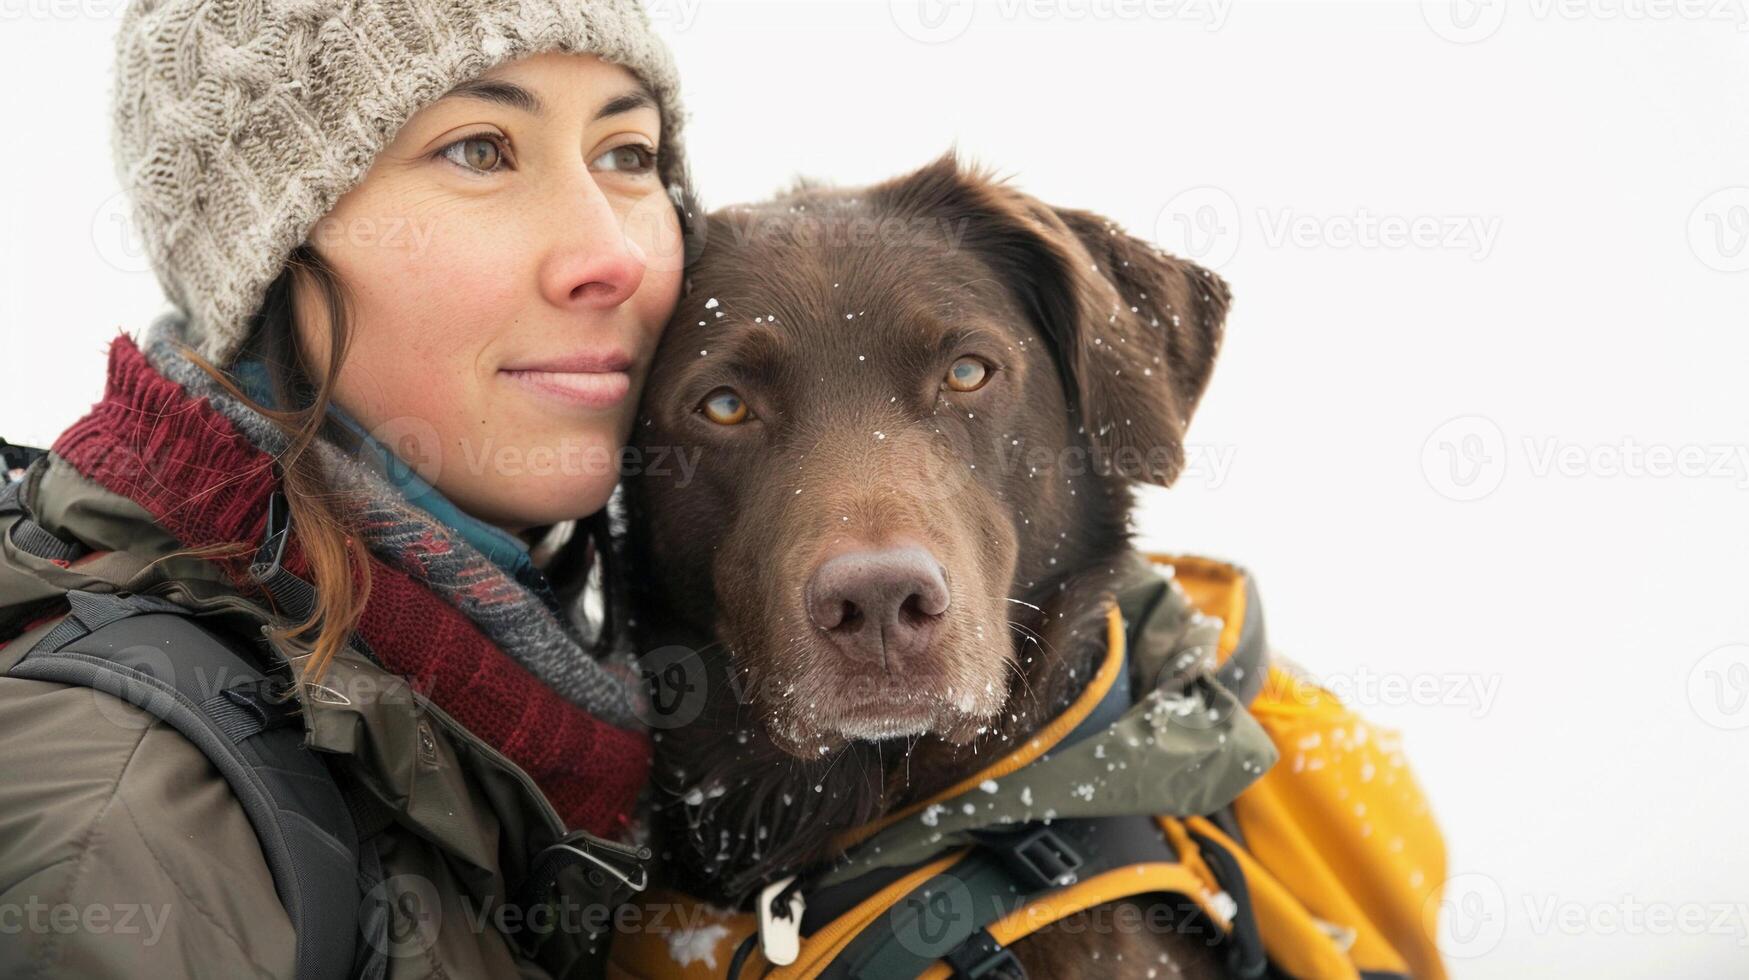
column 511, row 258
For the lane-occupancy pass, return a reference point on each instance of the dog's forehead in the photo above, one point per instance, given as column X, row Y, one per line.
column 837, row 273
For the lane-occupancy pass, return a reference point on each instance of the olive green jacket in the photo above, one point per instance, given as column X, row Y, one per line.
column 123, row 851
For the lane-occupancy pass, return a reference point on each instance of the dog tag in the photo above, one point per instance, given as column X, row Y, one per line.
column 780, row 936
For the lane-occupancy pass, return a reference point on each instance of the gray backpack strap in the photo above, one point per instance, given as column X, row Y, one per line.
column 152, row 654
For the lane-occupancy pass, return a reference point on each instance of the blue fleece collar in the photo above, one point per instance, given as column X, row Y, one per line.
column 506, row 550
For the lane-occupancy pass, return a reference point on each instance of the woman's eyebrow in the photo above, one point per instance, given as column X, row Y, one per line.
column 516, row 97
column 638, row 98
column 504, row 93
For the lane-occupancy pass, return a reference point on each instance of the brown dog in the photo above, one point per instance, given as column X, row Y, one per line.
column 916, row 409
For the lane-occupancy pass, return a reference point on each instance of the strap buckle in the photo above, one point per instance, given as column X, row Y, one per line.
column 981, row 957
column 1038, row 856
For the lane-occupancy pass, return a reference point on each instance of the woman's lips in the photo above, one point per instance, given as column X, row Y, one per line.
column 588, row 389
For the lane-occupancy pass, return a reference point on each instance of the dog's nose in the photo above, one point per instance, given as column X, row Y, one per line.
column 879, row 606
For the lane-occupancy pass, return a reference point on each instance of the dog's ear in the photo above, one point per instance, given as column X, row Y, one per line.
column 1140, row 343
column 1135, row 329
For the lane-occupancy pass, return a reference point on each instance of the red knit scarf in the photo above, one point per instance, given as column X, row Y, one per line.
column 186, row 464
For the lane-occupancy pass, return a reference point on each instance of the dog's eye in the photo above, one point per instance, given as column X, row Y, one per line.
column 968, row 374
column 724, row 407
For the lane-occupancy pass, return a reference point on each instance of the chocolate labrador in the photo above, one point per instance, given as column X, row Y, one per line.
column 917, row 410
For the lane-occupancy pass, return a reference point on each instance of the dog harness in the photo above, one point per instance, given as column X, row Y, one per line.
column 1316, row 857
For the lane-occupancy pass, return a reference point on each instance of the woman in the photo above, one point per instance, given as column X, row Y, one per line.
column 421, row 252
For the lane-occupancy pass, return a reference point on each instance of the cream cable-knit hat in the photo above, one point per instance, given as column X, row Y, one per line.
column 239, row 123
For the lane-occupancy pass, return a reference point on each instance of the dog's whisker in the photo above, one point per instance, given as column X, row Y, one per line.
column 1024, row 681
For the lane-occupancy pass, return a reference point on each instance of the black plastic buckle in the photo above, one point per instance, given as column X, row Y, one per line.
column 981, row 957
column 1039, row 856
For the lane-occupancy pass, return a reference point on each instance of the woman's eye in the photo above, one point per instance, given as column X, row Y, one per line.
column 968, row 374
column 481, row 154
column 724, row 407
column 630, row 158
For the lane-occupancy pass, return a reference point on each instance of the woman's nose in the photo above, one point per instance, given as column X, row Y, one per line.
column 592, row 263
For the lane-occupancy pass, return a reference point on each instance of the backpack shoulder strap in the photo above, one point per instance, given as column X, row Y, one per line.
column 154, row 655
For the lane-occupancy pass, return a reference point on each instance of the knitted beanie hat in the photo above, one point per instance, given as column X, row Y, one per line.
column 239, row 123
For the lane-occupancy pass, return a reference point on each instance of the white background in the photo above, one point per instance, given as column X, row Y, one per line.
column 1582, row 620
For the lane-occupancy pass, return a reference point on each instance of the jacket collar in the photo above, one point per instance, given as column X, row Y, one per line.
column 171, row 472
column 412, row 755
